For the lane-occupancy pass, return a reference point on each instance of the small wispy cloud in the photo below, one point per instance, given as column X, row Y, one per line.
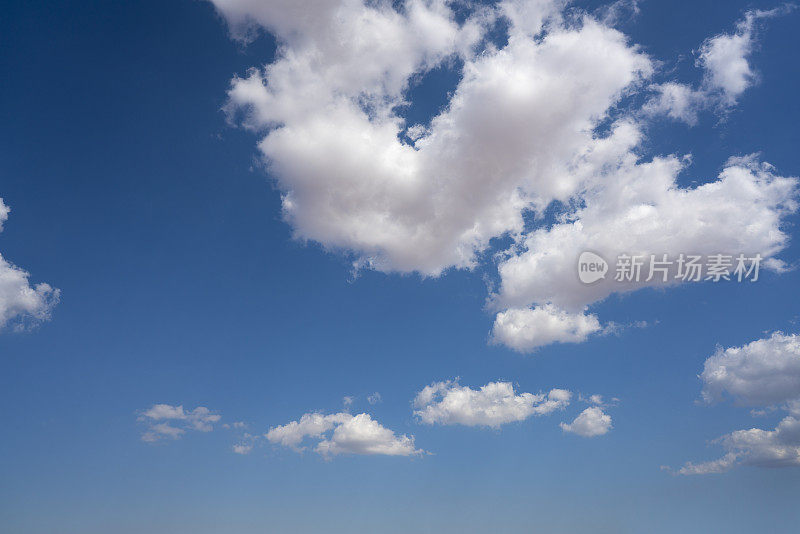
column 165, row 421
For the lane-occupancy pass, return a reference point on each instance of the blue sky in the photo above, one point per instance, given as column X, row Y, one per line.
column 183, row 281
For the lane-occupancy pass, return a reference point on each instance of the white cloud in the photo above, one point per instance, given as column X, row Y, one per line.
column 767, row 448
column 22, row 304
column 288, row 18
column 725, row 57
column 310, row 425
column 762, row 373
column 343, row 433
column 598, row 400
column 527, row 329
column 363, row 435
column 618, row 11
column 375, row 398
column 518, row 133
column 495, row 404
column 246, row 441
column 591, row 422
column 167, row 421
column 164, row 411
column 642, row 211
column 676, row 100
column 513, row 125
column 159, row 431
column 719, row 465
column 762, row 448
column 4, row 211
column 243, row 448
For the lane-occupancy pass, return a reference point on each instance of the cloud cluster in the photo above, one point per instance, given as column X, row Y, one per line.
column 641, row 211
column 763, row 448
column 343, row 433
column 165, row 421
column 334, row 138
column 22, row 304
column 333, row 434
column 493, row 405
column 727, row 73
column 765, row 372
column 520, row 133
column 442, row 403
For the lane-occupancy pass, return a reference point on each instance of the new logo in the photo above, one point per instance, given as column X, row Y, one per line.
column 591, row 267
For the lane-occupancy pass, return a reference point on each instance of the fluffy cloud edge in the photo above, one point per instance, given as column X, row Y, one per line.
column 22, row 305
